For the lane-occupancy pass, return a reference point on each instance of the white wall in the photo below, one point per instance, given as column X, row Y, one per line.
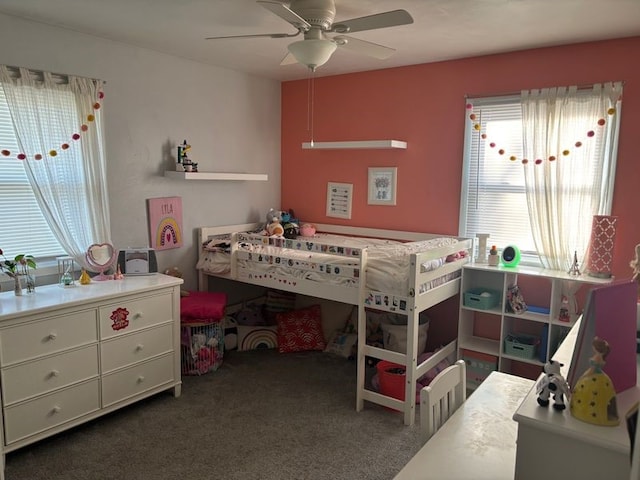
column 153, row 102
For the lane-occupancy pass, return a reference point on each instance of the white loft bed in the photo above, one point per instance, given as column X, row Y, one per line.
column 349, row 265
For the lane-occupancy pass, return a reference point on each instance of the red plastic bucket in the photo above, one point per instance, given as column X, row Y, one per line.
column 392, row 378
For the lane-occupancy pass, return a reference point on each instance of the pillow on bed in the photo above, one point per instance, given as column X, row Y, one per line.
column 300, row 330
column 256, row 338
column 278, row 302
column 342, row 343
column 250, row 315
column 395, row 336
column 230, row 333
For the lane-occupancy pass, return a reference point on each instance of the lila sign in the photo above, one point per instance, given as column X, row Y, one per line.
column 165, row 222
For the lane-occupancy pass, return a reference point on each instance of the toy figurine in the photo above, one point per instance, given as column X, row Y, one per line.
column 494, row 258
column 183, row 162
column 85, row 279
column 118, row 275
column 552, row 383
column 594, row 397
column 564, row 316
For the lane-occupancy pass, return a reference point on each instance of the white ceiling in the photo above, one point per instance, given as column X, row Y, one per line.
column 442, row 29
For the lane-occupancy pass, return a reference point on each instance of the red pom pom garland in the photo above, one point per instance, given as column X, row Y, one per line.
column 53, row 152
column 565, row 153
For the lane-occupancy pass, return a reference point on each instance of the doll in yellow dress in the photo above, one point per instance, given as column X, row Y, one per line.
column 594, row 398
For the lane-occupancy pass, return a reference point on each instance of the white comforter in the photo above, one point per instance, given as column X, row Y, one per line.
column 387, row 266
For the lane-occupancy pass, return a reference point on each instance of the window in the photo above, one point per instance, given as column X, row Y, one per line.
column 494, row 198
column 23, row 228
column 545, row 204
column 55, row 202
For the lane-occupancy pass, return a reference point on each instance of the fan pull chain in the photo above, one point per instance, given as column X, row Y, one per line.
column 310, row 98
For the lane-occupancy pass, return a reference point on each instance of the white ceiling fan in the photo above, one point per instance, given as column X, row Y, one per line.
column 314, row 19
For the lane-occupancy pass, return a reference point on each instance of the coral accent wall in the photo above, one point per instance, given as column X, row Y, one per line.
column 424, row 106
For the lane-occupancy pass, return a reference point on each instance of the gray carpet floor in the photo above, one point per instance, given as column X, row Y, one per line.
column 262, row 415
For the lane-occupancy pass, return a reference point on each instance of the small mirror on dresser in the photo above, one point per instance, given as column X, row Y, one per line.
column 100, row 257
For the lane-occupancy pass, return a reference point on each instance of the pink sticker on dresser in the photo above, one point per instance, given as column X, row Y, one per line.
column 120, row 319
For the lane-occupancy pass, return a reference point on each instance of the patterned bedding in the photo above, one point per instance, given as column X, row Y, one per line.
column 387, row 261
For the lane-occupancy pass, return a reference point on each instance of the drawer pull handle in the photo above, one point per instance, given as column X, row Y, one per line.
column 56, row 409
column 52, row 336
column 138, row 315
column 54, row 373
column 141, row 379
column 139, row 347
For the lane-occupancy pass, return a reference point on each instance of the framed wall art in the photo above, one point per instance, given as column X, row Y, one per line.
column 382, row 185
column 165, row 222
column 339, row 197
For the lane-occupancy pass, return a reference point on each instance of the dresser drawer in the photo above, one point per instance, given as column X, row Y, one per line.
column 43, row 413
column 131, row 315
column 42, row 376
column 129, row 349
column 137, row 379
column 52, row 335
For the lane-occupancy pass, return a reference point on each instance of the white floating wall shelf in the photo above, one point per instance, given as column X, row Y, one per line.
column 362, row 144
column 259, row 177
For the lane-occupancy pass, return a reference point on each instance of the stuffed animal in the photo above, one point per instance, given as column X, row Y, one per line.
column 274, row 216
column 274, row 223
column 275, row 229
column 175, row 272
column 552, row 383
column 291, row 230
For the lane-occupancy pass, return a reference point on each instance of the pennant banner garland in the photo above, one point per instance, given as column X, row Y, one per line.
column 53, row 152
column 566, row 152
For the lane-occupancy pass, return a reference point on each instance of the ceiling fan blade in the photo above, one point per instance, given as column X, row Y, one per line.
column 288, row 59
column 371, row 22
column 286, row 14
column 270, row 35
column 365, row 48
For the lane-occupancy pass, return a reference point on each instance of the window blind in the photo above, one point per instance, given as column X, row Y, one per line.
column 23, row 228
column 493, row 189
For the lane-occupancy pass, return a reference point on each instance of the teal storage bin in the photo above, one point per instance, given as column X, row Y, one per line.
column 520, row 345
column 481, row 298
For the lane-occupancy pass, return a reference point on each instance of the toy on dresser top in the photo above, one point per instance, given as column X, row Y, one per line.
column 594, row 397
column 552, row 383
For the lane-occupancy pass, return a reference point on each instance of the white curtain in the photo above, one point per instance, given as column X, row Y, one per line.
column 564, row 193
column 70, row 185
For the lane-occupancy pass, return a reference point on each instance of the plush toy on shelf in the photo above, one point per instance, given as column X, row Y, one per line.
column 552, row 383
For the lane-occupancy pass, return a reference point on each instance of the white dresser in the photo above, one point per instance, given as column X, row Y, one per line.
column 569, row 447
column 69, row 355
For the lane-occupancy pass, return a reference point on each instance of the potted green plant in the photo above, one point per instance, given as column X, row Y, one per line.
column 18, row 268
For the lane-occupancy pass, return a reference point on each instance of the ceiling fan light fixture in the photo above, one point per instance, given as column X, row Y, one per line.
column 312, row 52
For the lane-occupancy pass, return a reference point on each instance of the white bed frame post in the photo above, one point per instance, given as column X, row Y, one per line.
column 362, row 335
column 411, row 359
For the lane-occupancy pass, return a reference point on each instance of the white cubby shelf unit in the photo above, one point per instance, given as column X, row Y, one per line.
column 545, row 324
